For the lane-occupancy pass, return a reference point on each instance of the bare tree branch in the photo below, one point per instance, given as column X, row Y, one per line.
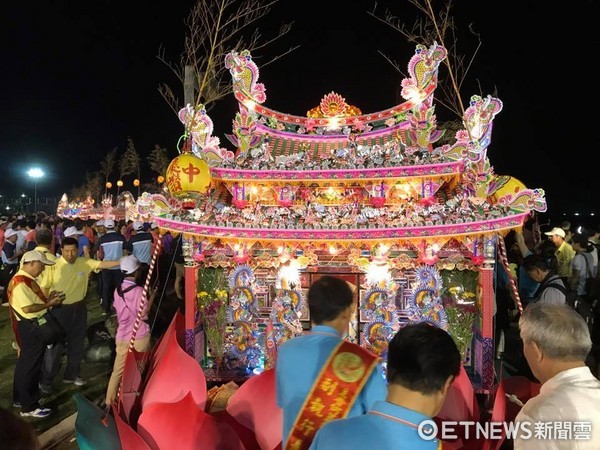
column 440, row 28
column 214, row 28
column 107, row 166
column 130, row 161
column 158, row 160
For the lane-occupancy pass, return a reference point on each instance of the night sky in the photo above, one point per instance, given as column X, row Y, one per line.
column 79, row 78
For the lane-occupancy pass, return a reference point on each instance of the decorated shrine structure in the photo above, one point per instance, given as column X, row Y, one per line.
column 413, row 226
column 122, row 207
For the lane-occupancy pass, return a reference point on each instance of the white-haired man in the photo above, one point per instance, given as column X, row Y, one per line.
column 556, row 342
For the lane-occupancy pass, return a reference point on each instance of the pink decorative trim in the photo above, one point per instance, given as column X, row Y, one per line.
column 492, row 225
column 449, row 168
column 342, row 138
column 365, row 118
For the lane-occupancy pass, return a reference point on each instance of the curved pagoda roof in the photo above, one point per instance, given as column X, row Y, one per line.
column 338, row 175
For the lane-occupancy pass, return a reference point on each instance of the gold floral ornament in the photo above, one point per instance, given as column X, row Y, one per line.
column 333, row 105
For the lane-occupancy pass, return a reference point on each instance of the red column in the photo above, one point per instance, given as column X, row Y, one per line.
column 190, row 283
column 486, row 280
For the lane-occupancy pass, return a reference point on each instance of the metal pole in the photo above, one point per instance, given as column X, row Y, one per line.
column 34, row 195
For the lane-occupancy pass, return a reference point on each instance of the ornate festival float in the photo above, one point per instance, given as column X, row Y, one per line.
column 123, row 207
column 415, row 229
column 412, row 226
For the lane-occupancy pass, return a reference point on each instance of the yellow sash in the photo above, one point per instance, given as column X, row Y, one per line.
column 332, row 395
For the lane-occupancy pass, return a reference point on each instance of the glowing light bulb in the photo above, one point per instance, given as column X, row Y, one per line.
column 333, row 123
column 250, row 104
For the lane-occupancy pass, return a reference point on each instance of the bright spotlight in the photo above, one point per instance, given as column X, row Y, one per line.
column 35, row 172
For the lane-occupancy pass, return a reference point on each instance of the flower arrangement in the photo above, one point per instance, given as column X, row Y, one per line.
column 460, row 304
column 212, row 307
column 460, row 327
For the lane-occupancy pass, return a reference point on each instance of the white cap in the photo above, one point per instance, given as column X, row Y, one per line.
column 10, row 233
column 129, row 264
column 138, row 226
column 99, row 223
column 109, row 223
column 72, row 231
column 35, row 255
column 153, row 226
column 556, row 231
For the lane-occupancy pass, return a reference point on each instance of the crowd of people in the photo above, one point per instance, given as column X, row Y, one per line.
column 333, row 393
column 559, row 266
column 334, row 396
column 47, row 263
column 335, row 400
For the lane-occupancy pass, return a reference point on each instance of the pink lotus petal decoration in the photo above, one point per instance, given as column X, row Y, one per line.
column 523, row 389
column 498, row 415
column 461, row 403
column 131, row 385
column 254, row 406
column 175, row 375
column 183, row 425
column 129, row 439
column 176, row 328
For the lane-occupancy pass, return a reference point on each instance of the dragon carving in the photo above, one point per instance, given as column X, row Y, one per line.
column 245, row 75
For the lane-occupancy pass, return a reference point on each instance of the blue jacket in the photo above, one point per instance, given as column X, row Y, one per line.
column 385, row 427
column 299, row 362
column 112, row 245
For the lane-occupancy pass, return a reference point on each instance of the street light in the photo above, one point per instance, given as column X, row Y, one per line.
column 36, row 173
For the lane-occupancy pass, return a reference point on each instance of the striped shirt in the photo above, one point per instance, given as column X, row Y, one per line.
column 112, row 245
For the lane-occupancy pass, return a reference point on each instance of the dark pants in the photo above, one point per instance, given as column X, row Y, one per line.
column 98, row 278
column 73, row 318
column 28, row 368
column 110, row 280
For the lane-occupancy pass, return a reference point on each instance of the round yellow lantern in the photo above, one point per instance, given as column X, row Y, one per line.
column 187, row 176
column 108, row 184
column 120, row 183
column 160, row 179
column 136, row 182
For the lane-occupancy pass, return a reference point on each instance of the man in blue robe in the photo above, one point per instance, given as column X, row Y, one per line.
column 423, row 360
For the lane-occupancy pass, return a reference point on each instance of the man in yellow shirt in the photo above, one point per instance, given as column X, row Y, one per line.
column 29, row 304
column 70, row 275
column 43, row 241
column 564, row 252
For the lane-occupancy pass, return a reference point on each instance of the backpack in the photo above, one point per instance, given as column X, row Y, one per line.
column 591, row 282
column 550, row 283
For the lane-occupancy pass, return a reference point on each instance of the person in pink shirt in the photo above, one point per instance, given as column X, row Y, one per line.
column 30, row 237
column 3, row 222
column 127, row 301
